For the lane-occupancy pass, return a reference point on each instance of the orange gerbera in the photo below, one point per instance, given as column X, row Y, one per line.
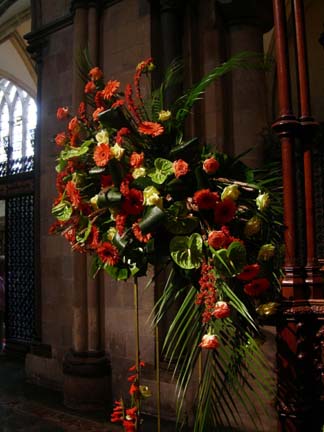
column 108, row 253
column 151, row 128
column 110, row 89
column 101, row 154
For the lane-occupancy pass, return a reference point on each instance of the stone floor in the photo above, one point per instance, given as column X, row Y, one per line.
column 28, row 408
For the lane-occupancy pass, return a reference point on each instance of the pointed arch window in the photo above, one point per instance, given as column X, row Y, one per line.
column 18, row 114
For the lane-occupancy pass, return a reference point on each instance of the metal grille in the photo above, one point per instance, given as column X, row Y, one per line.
column 20, row 292
column 17, row 166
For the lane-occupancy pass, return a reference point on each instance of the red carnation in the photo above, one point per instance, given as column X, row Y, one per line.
column 108, row 253
column 249, row 272
column 224, row 211
column 256, row 287
column 205, row 199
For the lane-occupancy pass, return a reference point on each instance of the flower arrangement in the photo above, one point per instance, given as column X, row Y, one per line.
column 131, row 189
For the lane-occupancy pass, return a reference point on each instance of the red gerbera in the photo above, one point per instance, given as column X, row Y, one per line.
column 224, row 211
column 108, row 253
column 133, row 204
column 110, row 89
column 249, row 272
column 256, row 287
column 151, row 128
column 101, row 154
column 205, row 199
column 73, row 193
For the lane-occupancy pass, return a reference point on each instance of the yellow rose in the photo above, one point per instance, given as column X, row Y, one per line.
column 164, row 115
column 111, row 233
column 152, row 196
column 117, row 151
column 262, row 201
column 231, row 192
column 266, row 252
column 252, row 226
column 139, row 172
column 94, row 202
column 102, row 137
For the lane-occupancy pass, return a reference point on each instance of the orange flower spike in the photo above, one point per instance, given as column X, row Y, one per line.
column 95, row 73
column 132, row 378
column 132, row 368
column 133, row 389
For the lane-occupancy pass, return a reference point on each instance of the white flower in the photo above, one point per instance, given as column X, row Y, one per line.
column 102, row 137
column 164, row 115
column 231, row 192
column 117, row 151
column 266, row 252
column 139, row 172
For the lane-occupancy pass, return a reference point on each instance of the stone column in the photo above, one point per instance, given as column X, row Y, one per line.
column 246, row 22
column 85, row 367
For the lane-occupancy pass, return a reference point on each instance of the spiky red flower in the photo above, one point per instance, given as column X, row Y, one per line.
column 205, row 199
column 120, row 222
column 121, row 133
column 108, row 253
column 256, row 287
column 151, row 128
column 101, row 154
column 249, row 272
column 110, row 89
column 224, row 211
column 144, row 238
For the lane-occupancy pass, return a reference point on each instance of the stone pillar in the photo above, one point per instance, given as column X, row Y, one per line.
column 85, row 367
column 246, row 22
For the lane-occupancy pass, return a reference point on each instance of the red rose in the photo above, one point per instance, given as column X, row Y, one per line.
column 256, row 287
column 209, row 342
column 60, row 139
column 211, row 165
column 136, row 159
column 221, row 310
column 249, row 272
column 62, row 113
column 180, row 168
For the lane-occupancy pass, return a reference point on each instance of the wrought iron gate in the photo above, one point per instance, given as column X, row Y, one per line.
column 20, row 293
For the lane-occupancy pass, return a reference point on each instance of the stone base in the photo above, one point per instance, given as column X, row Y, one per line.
column 86, row 381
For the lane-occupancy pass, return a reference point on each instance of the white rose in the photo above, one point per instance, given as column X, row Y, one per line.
column 117, row 151
column 152, row 196
column 139, row 172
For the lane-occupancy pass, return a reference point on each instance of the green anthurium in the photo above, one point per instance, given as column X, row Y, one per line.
column 62, row 211
column 179, row 220
column 162, row 170
column 187, row 251
column 76, row 151
column 237, row 254
column 231, row 261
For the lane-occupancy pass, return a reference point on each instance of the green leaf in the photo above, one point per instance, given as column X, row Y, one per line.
column 116, row 272
column 84, row 234
column 237, row 254
column 62, row 211
column 185, row 149
column 76, row 151
column 152, row 218
column 163, row 168
column 222, row 262
column 179, row 221
column 61, row 165
column 187, row 251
